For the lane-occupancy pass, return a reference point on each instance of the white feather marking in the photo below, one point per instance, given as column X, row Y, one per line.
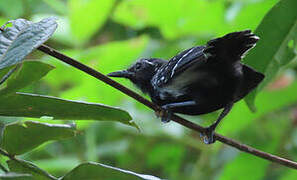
column 173, row 70
column 255, row 37
column 149, row 62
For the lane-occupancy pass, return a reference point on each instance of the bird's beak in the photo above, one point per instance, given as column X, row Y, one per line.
column 123, row 73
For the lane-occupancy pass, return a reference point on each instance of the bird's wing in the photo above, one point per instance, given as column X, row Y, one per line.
column 180, row 64
column 227, row 49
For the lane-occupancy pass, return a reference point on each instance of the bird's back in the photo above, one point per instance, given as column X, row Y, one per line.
column 211, row 75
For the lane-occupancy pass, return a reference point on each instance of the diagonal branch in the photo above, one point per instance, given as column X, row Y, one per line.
column 177, row 119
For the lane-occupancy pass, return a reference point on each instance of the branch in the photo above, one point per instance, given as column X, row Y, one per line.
column 177, row 119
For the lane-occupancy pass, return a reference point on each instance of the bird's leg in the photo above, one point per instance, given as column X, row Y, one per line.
column 167, row 109
column 209, row 131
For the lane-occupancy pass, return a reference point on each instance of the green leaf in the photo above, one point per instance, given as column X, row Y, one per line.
column 19, row 138
column 22, row 38
column 277, row 28
column 4, row 75
column 63, row 35
column 87, row 17
column 176, row 18
column 36, row 106
column 4, row 71
column 59, row 163
column 22, row 166
column 15, row 176
column 92, row 170
column 30, row 72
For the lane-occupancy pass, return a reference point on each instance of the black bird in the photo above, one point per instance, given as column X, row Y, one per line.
column 199, row 80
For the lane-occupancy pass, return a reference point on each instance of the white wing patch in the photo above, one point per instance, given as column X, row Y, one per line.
column 176, row 65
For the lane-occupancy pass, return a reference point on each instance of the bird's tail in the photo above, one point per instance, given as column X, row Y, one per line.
column 251, row 79
column 231, row 47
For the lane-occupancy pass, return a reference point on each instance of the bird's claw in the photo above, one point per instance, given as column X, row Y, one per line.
column 165, row 114
column 208, row 135
column 166, row 117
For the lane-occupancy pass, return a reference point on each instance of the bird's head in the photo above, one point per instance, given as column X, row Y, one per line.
column 141, row 72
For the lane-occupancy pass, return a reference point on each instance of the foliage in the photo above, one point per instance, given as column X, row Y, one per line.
column 39, row 103
column 274, row 43
column 18, row 41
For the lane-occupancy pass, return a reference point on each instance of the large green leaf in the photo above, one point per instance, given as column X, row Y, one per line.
column 4, row 71
column 174, row 18
column 86, row 17
column 30, row 71
column 93, row 170
column 33, row 105
column 22, row 38
column 60, row 163
column 22, row 166
column 19, row 138
column 277, row 28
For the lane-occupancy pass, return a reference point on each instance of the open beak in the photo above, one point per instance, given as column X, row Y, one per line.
column 123, row 73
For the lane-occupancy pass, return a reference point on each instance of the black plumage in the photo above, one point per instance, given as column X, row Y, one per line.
column 199, row 80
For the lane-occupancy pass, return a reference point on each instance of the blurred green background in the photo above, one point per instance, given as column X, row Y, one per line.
column 109, row 35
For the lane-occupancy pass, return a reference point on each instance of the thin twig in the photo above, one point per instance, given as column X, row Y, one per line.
column 177, row 119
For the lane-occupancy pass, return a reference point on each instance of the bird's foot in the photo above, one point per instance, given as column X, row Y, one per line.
column 165, row 114
column 208, row 135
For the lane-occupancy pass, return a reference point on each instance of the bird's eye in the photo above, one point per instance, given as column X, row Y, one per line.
column 137, row 66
